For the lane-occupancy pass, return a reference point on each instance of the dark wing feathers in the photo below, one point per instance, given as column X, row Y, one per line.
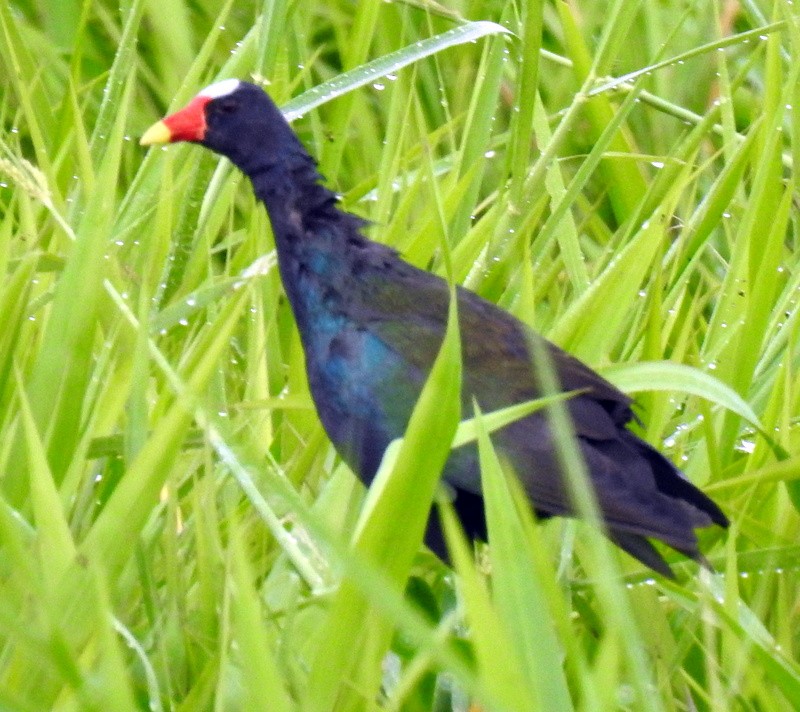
column 639, row 492
column 640, row 548
column 408, row 311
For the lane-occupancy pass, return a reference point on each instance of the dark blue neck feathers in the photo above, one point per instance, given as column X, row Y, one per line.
column 315, row 240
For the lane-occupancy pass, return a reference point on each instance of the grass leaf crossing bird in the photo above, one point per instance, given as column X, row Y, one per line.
column 371, row 326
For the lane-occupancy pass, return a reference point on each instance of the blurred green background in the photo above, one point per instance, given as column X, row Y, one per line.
column 173, row 522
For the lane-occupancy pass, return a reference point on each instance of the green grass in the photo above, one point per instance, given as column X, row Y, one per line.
column 174, row 526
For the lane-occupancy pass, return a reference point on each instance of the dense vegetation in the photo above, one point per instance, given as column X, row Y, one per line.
column 174, row 525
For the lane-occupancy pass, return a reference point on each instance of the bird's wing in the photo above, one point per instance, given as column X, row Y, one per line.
column 638, row 491
column 407, row 310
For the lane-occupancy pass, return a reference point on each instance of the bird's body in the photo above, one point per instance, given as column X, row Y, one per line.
column 371, row 326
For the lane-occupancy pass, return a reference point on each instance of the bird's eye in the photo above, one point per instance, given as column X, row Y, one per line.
column 227, row 106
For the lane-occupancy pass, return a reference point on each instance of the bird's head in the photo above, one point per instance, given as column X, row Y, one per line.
column 231, row 117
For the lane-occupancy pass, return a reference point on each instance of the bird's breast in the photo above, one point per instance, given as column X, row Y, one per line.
column 348, row 373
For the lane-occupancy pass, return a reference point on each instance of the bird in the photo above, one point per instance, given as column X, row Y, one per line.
column 371, row 325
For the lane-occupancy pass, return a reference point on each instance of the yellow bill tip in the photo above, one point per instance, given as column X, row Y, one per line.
column 158, row 133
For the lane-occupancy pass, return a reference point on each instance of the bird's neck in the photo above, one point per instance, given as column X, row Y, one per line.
column 289, row 186
column 311, row 238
